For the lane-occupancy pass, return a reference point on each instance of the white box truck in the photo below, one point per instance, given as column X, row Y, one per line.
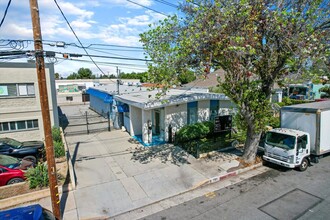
column 304, row 135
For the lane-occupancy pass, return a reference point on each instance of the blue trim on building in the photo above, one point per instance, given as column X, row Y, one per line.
column 123, row 108
column 107, row 98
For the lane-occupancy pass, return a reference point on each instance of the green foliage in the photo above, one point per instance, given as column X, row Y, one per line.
column 38, row 176
column 186, row 77
column 83, row 73
column 287, row 101
column 59, row 149
column 274, row 122
column 326, row 90
column 141, row 76
column 58, row 143
column 256, row 43
column 194, row 131
column 56, row 133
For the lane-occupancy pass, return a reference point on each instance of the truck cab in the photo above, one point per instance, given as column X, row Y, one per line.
column 287, row 147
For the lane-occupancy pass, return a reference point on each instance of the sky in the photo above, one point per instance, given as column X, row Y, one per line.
column 107, row 27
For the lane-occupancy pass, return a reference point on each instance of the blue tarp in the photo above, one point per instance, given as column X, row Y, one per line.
column 107, row 98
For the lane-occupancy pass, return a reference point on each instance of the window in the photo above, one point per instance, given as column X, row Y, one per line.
column 214, row 108
column 17, row 90
column 18, row 125
column 192, row 112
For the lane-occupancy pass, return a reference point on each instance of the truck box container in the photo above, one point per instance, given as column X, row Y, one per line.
column 313, row 118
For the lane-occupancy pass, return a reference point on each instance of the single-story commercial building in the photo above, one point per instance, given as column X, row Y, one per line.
column 155, row 120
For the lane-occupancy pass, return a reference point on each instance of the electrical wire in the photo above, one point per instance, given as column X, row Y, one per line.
column 109, row 57
column 126, row 65
column 77, row 37
column 4, row 16
column 167, row 3
column 147, row 8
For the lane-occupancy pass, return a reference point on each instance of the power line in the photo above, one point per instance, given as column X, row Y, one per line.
column 77, row 36
column 4, row 16
column 167, row 3
column 147, row 8
column 126, row 65
column 101, row 56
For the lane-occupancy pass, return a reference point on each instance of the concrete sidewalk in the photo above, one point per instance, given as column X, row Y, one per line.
column 115, row 176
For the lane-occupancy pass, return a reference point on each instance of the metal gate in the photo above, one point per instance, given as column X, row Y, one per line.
column 84, row 124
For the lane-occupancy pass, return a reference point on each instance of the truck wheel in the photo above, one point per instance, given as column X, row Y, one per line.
column 304, row 165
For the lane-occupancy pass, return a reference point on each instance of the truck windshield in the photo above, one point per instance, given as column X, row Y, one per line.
column 280, row 140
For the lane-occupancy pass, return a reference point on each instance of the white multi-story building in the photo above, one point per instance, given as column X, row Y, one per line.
column 20, row 109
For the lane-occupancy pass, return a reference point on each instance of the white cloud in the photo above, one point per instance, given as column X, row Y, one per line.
column 128, row 4
column 80, row 24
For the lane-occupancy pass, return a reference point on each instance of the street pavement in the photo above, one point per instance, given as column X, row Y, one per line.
column 116, row 177
column 279, row 193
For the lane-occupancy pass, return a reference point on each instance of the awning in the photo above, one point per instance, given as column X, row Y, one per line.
column 107, row 98
column 123, row 108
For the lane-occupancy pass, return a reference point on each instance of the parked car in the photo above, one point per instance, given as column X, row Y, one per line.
column 14, row 148
column 10, row 176
column 13, row 162
column 31, row 212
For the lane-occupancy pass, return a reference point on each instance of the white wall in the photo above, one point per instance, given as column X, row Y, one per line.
column 203, row 110
column 176, row 115
column 136, row 121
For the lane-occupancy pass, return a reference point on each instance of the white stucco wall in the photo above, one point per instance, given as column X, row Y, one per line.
column 203, row 110
column 136, row 121
column 176, row 115
column 99, row 106
column 226, row 107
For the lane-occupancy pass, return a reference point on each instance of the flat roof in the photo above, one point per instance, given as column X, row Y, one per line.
column 309, row 107
column 149, row 100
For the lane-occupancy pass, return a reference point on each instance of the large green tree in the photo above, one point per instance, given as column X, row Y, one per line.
column 83, row 73
column 256, row 42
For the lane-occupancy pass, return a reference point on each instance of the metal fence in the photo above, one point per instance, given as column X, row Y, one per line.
column 84, row 124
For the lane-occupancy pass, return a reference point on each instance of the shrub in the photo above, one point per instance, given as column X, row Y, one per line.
column 59, row 149
column 58, row 143
column 56, row 133
column 38, row 176
column 195, row 131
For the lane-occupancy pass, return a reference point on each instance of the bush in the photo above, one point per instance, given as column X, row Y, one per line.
column 56, row 133
column 58, row 143
column 195, row 131
column 59, row 149
column 287, row 101
column 38, row 176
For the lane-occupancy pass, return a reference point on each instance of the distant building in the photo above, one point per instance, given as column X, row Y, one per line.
column 20, row 109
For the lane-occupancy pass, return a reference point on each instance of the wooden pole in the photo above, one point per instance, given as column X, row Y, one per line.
column 40, row 66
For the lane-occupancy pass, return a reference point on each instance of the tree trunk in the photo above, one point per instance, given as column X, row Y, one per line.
column 251, row 144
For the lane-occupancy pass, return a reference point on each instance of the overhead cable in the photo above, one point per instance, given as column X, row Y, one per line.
column 147, row 8
column 77, row 36
column 4, row 15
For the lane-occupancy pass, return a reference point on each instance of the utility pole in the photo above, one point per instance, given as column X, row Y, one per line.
column 118, row 72
column 40, row 66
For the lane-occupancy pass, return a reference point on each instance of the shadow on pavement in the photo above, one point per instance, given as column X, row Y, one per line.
column 165, row 153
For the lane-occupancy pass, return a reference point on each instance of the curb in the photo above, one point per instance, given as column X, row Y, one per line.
column 225, row 176
column 201, row 184
column 69, row 161
column 28, row 197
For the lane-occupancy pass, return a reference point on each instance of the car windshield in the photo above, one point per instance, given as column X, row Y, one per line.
column 281, row 140
column 12, row 142
column 7, row 160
